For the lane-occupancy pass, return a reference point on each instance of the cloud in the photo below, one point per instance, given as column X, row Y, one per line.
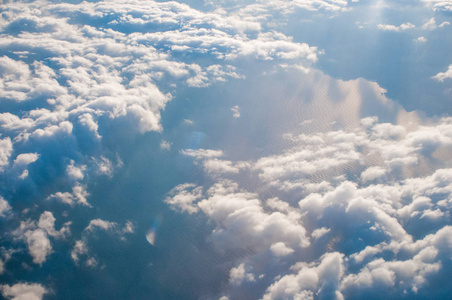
column 76, row 173
column 5, row 208
column 38, row 245
column 421, row 39
column 165, row 145
column 321, row 279
column 280, row 249
column 22, row 291
column 78, row 77
column 402, row 27
column 101, row 224
column 236, row 111
column 184, row 197
column 78, row 196
column 430, row 24
column 238, row 275
column 373, row 173
column 79, row 249
column 202, row 153
column 240, row 217
column 351, row 211
column 445, row 75
column 36, row 235
column 445, row 5
column 6, row 148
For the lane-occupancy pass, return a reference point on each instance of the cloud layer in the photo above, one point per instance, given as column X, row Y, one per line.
column 347, row 211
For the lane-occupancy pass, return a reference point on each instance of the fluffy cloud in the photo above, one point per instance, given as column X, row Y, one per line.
column 4, row 207
column 444, row 75
column 6, row 148
column 68, row 79
column 22, row 291
column 184, row 197
column 241, row 218
column 36, row 235
column 238, row 275
column 354, row 198
column 78, row 196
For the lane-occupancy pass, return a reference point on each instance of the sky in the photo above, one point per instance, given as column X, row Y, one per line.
column 296, row 149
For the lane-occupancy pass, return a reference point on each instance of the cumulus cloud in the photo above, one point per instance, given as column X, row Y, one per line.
column 4, row 207
column 444, row 75
column 354, row 197
column 6, row 148
column 36, row 235
column 238, row 275
column 335, row 211
column 22, row 291
column 184, row 197
column 321, row 279
column 100, row 224
column 77, row 196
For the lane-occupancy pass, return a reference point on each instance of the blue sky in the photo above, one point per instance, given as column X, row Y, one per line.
column 225, row 150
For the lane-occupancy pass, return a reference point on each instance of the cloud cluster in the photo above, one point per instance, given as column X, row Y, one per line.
column 37, row 235
column 68, row 79
column 349, row 211
column 69, row 73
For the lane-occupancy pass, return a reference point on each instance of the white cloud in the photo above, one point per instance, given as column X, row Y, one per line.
column 165, row 145
column 421, row 39
column 235, row 111
column 184, row 197
column 38, row 245
column 25, row 159
column 36, row 235
column 280, row 249
column 440, row 4
column 241, row 219
column 238, row 275
column 373, row 173
column 78, row 196
column 75, row 173
column 319, row 232
column 101, row 224
column 430, row 24
column 402, row 27
column 24, row 291
column 402, row 184
column 6, row 148
column 321, row 279
column 79, row 249
column 5, row 208
column 445, row 75
column 202, row 153
column 47, row 223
